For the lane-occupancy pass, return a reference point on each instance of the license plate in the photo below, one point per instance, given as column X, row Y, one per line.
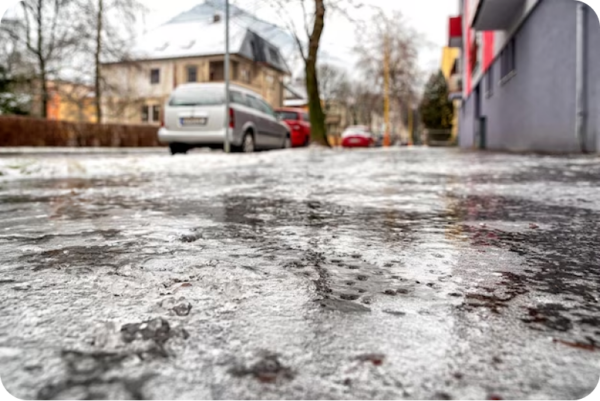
column 191, row 121
column 355, row 140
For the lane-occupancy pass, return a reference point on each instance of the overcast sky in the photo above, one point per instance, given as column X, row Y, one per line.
column 430, row 17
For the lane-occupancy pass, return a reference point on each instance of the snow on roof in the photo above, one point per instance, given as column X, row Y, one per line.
column 275, row 34
column 186, row 39
column 280, row 37
column 296, row 91
column 205, row 37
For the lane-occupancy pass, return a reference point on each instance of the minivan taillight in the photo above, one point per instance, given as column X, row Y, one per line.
column 231, row 118
column 162, row 119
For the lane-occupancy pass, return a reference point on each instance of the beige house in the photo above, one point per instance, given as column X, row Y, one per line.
column 188, row 51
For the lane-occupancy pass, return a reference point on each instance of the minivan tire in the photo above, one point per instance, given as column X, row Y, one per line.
column 176, row 148
column 248, row 145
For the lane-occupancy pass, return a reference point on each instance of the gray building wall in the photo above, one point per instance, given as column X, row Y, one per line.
column 593, row 76
column 535, row 109
column 466, row 124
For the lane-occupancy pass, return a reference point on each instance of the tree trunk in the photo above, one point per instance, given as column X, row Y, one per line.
column 41, row 60
column 45, row 94
column 97, row 84
column 317, row 117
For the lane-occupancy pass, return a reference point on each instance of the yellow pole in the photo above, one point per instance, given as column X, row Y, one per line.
column 386, row 92
column 410, row 124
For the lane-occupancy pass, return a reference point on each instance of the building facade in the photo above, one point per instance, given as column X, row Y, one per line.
column 531, row 76
column 185, row 52
column 71, row 102
column 451, row 71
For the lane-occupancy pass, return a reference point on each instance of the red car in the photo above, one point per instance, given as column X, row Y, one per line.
column 357, row 137
column 297, row 120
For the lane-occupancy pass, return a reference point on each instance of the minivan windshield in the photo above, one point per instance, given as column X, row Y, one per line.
column 198, row 97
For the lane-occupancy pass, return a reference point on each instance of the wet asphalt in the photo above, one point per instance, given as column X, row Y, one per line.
column 300, row 274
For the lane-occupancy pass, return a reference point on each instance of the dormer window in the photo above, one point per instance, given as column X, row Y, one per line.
column 273, row 56
column 162, row 46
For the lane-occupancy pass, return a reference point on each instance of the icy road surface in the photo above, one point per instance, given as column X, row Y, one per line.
column 401, row 273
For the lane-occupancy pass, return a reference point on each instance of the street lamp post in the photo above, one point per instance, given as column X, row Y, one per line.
column 227, row 144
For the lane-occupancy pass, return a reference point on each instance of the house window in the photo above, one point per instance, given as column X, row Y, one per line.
column 145, row 115
column 192, row 73
column 508, row 59
column 235, row 70
column 273, row 56
column 475, row 54
column 217, row 71
column 270, row 81
column 490, row 81
column 156, row 113
column 154, row 76
column 513, row 54
column 245, row 75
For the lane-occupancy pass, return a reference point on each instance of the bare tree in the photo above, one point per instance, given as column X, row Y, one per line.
column 308, row 40
column 48, row 31
column 333, row 85
column 317, row 116
column 368, row 102
column 403, row 47
column 113, row 24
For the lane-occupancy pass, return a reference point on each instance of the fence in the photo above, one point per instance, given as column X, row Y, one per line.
column 25, row 131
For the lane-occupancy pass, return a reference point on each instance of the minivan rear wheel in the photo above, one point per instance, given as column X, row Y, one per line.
column 176, row 148
column 248, row 143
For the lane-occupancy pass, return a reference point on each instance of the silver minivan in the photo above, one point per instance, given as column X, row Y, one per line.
column 194, row 116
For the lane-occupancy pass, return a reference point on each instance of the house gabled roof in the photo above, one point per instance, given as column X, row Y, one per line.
column 294, row 92
column 205, row 37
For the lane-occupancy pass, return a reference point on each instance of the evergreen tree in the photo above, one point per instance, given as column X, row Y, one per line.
column 436, row 108
column 10, row 102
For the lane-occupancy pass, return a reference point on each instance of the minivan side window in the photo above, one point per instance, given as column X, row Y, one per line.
column 254, row 103
column 238, row 98
column 305, row 117
column 267, row 109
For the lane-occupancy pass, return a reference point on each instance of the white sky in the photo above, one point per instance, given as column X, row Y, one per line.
column 430, row 17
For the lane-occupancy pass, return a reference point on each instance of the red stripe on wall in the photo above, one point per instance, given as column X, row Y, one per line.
column 467, row 47
column 488, row 49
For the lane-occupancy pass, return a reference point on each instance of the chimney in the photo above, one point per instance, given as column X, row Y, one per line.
column 217, row 18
